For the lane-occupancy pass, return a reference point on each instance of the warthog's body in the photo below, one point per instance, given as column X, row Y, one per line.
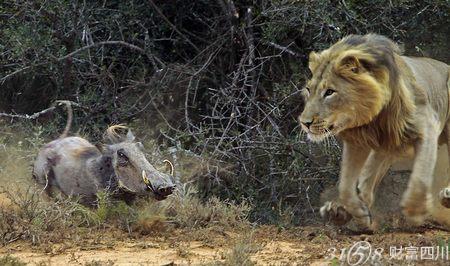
column 78, row 168
column 74, row 166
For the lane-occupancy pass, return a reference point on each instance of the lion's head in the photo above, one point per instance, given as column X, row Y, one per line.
column 350, row 85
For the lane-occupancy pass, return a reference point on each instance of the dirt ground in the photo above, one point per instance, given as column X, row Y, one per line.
column 317, row 245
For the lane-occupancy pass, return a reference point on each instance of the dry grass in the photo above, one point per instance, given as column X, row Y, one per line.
column 186, row 210
column 240, row 253
column 29, row 217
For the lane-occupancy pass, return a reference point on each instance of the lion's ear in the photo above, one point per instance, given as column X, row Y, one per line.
column 351, row 63
column 355, row 62
column 313, row 61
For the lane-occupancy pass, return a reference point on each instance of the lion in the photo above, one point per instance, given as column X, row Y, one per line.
column 384, row 106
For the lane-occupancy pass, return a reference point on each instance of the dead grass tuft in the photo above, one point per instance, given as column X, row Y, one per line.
column 29, row 217
column 240, row 253
column 187, row 210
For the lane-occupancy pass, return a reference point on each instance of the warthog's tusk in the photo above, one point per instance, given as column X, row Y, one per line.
column 144, row 176
column 171, row 166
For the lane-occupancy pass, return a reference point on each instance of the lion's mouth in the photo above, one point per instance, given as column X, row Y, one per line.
column 322, row 133
column 322, row 130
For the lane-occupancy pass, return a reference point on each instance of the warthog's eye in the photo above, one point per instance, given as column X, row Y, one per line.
column 328, row 92
column 122, row 159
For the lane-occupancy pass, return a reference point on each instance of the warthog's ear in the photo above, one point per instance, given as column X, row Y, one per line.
column 313, row 61
column 130, row 136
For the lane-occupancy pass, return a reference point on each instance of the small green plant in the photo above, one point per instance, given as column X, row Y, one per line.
column 9, row 260
column 443, row 243
column 335, row 262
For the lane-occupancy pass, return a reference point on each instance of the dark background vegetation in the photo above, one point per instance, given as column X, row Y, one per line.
column 219, row 78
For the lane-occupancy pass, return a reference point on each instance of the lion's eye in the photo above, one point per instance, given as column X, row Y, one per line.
column 307, row 89
column 329, row 92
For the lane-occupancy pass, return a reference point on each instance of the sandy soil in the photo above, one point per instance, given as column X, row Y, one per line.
column 300, row 246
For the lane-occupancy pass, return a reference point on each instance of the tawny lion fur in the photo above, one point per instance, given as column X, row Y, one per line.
column 384, row 106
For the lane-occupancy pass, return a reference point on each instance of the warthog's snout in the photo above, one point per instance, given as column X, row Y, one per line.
column 162, row 192
column 160, row 184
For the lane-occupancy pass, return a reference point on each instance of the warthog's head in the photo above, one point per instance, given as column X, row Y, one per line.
column 133, row 172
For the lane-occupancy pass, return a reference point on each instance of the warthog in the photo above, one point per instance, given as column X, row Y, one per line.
column 77, row 168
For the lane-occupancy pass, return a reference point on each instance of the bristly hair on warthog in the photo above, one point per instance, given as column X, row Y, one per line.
column 119, row 167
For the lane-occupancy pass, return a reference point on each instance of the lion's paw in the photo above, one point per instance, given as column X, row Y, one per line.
column 444, row 197
column 414, row 210
column 335, row 213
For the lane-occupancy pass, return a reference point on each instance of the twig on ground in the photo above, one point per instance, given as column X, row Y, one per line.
column 37, row 114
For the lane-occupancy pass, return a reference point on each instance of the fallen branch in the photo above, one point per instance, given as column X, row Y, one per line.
column 38, row 114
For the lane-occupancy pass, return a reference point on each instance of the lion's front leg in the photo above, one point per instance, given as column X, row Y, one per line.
column 414, row 199
column 349, row 204
column 374, row 170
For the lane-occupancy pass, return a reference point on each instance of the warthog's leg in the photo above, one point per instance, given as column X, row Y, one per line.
column 444, row 195
column 414, row 199
column 349, row 204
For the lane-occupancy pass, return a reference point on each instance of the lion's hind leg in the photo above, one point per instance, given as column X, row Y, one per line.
column 414, row 199
column 444, row 194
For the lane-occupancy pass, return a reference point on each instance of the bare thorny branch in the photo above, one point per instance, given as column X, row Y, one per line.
column 87, row 47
